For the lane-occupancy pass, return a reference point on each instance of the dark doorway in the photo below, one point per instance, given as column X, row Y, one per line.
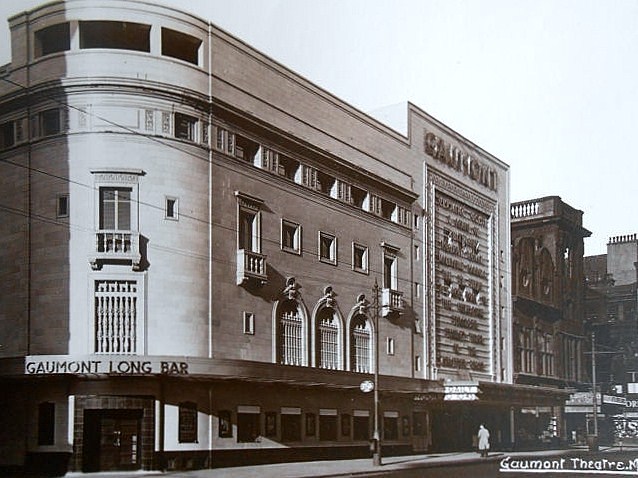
column 112, row 440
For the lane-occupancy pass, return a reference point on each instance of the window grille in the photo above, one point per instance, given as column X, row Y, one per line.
column 290, row 338
column 115, row 317
column 361, row 345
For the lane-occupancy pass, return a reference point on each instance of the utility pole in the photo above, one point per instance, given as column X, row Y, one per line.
column 593, row 445
column 376, row 453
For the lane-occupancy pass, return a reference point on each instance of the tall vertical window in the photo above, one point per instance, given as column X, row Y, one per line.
column 46, row 423
column 390, row 271
column 361, row 425
column 7, row 135
column 526, row 350
column 187, row 425
column 290, row 236
column 390, row 346
column 116, row 316
column 390, row 425
column 249, row 323
column 359, row 258
column 171, row 209
column 360, row 344
column 328, row 340
column 115, row 209
column 249, row 230
column 547, row 354
column 290, row 335
column 327, row 248
column 62, row 205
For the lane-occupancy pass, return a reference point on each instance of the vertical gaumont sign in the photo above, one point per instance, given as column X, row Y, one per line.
column 99, row 364
column 461, row 285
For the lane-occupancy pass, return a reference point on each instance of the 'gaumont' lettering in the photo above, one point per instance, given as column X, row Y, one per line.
column 62, row 366
column 464, row 163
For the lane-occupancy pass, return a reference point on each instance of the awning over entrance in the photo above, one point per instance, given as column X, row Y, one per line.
column 505, row 394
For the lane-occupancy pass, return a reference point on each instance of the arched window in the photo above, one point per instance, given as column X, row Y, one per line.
column 290, row 334
column 525, row 265
column 361, row 346
column 328, row 336
column 546, row 275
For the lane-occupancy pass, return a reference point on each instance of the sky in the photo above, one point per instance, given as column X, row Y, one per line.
column 550, row 87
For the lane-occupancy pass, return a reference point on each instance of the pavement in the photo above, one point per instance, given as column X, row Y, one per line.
column 342, row 468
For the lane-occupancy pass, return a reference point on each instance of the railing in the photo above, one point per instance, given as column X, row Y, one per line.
column 112, row 245
column 524, row 209
column 391, row 301
column 251, row 265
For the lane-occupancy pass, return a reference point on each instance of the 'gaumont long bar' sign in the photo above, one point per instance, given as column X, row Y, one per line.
column 97, row 364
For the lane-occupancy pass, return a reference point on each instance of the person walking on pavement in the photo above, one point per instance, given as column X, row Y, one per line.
column 483, row 440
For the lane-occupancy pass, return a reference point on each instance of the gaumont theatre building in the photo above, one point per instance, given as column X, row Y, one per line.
column 205, row 258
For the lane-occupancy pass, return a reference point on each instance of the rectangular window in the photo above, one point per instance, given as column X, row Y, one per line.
column 225, row 424
column 359, row 198
column 417, row 363
column 115, row 209
column 327, row 424
column 50, row 122
column 245, row 148
column 390, row 425
column 116, row 35
column 327, row 248
column 52, row 39
column 248, row 427
column 187, row 422
column 291, row 426
column 417, row 290
column 361, row 425
column 62, row 206
column 185, row 127
column 417, row 252
column 324, row 182
column 171, row 210
column 7, row 135
column 180, row 45
column 287, row 167
column 390, row 346
column 46, row 423
column 417, row 222
column 249, row 323
column 359, row 258
column 290, row 236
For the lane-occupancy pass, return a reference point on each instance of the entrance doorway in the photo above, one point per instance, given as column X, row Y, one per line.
column 112, row 440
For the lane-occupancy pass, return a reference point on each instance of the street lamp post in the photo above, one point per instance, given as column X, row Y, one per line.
column 376, row 453
column 593, row 445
